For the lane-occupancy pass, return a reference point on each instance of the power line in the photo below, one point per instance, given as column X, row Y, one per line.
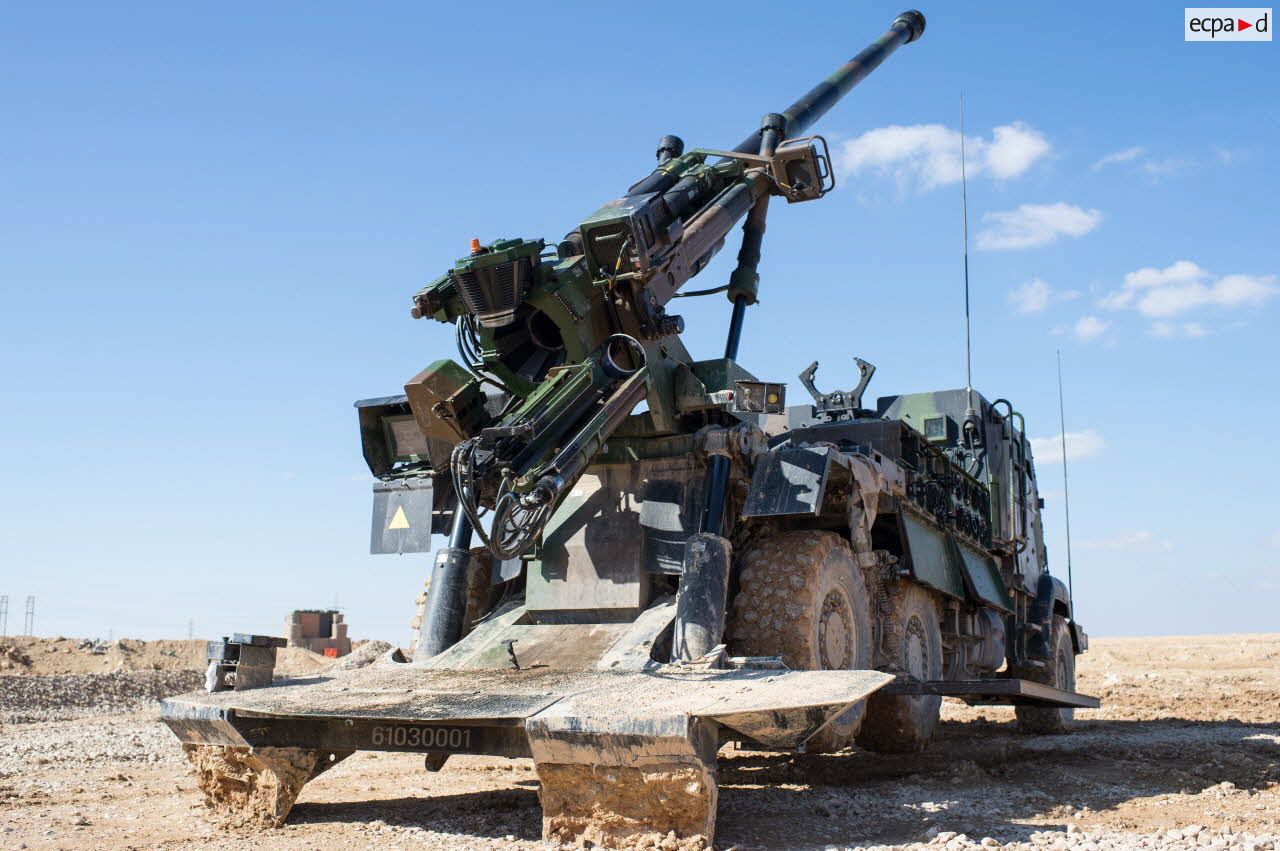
column 4, row 615
column 29, row 616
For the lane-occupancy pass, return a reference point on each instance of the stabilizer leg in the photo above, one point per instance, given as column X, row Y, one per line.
column 703, row 596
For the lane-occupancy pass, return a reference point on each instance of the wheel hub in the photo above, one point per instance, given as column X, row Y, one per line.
column 835, row 633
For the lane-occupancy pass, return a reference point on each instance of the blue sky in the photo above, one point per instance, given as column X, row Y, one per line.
column 212, row 219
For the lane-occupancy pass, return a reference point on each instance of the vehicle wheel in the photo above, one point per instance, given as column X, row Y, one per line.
column 801, row 596
column 899, row 723
column 480, row 596
column 1059, row 672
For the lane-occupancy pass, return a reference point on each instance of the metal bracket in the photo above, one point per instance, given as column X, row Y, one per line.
column 839, row 404
column 800, row 168
column 1013, row 691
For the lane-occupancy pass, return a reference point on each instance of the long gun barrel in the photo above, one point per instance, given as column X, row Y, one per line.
column 804, row 113
column 544, row 328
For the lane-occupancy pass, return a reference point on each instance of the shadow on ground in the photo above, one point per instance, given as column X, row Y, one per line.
column 491, row 814
column 979, row 778
column 985, row 779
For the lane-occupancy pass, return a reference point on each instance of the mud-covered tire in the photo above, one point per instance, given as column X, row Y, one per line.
column 480, row 596
column 1059, row 672
column 899, row 723
column 801, row 596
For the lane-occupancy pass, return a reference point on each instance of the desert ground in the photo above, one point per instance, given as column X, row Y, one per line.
column 1185, row 753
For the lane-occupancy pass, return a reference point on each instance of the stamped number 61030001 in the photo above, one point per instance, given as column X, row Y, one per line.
column 412, row 736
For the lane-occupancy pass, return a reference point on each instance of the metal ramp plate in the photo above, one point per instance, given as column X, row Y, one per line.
column 381, row 706
column 997, row 691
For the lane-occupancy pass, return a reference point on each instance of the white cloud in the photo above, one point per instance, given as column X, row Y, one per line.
column 926, row 156
column 1156, row 168
column 1035, row 295
column 1166, row 167
column 1181, row 272
column 1014, row 148
column 1185, row 286
column 1227, row 291
column 1080, row 444
column 1031, row 225
column 1031, row 297
column 1116, row 157
column 1230, row 156
column 1089, row 328
column 1139, row 540
column 1178, row 330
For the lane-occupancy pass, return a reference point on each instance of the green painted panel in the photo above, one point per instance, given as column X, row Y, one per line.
column 984, row 576
column 933, row 557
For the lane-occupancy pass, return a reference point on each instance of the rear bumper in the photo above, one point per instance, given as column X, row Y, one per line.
column 391, row 706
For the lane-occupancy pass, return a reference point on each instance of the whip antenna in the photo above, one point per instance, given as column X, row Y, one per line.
column 970, row 413
column 1066, row 491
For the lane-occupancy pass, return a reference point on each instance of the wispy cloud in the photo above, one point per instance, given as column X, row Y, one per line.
column 1036, row 295
column 926, row 156
column 1089, row 328
column 1032, row 225
column 1117, row 157
column 1185, row 286
column 1230, row 156
column 1137, row 540
column 1139, row 160
column 1080, row 444
column 1165, row 167
column 1178, row 330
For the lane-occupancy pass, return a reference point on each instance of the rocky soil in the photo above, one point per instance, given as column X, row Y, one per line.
column 28, row 656
column 1185, row 754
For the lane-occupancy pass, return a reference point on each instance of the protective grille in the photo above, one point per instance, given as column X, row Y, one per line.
column 494, row 293
column 605, row 243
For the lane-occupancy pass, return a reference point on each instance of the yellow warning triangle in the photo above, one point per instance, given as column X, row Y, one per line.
column 398, row 520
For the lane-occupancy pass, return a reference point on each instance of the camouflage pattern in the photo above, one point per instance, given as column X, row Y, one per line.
column 706, row 570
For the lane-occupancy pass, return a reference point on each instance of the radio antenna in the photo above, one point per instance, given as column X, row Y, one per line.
column 970, row 413
column 1066, row 491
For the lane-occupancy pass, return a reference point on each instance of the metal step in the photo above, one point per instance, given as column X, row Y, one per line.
column 1012, row 691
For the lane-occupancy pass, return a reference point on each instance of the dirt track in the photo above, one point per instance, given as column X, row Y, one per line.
column 1188, row 741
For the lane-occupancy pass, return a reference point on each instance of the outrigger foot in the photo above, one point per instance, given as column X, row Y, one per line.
column 617, row 782
column 254, row 787
column 618, row 807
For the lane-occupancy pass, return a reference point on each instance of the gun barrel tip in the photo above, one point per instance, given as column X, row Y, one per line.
column 913, row 21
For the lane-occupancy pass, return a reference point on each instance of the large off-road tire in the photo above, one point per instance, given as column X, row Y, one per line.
column 480, row 595
column 1060, row 672
column 801, row 596
column 899, row 723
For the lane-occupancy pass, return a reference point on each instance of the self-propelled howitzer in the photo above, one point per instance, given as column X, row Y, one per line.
column 561, row 343
column 718, row 568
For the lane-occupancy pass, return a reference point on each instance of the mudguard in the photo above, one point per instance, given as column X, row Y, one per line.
column 1052, row 598
column 790, row 481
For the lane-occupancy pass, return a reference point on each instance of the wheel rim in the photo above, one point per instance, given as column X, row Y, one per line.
column 916, row 656
column 835, row 632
